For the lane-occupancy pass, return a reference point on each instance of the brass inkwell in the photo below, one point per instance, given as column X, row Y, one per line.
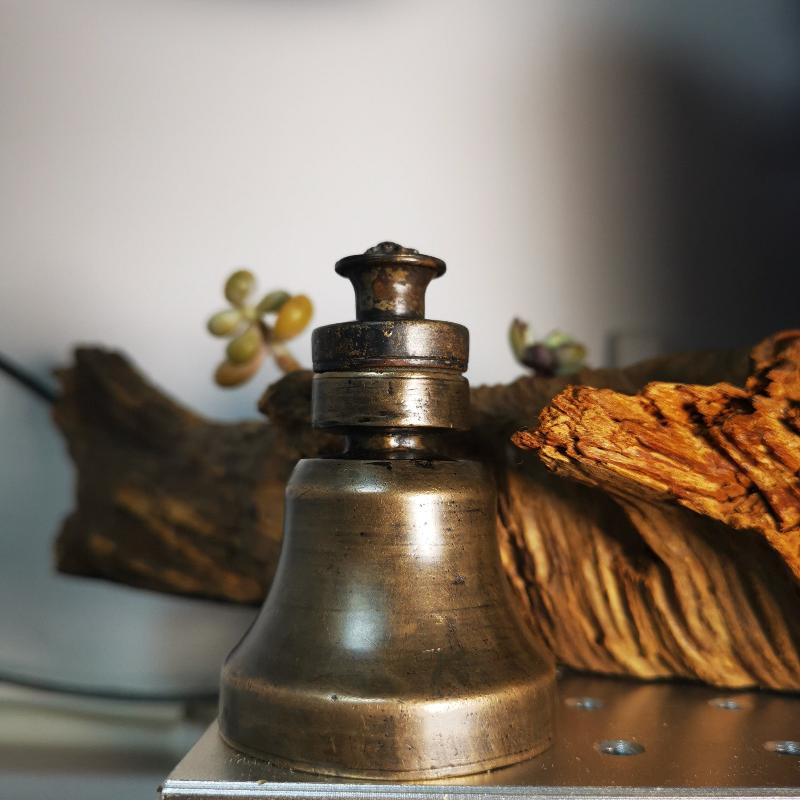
column 388, row 647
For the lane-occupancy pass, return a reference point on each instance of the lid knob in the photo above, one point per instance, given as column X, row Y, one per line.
column 390, row 281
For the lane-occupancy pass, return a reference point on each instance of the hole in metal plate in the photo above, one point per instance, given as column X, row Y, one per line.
column 784, row 747
column 727, row 703
column 585, row 703
column 620, row 747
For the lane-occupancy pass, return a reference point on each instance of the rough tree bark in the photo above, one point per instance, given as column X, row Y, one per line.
column 167, row 500
column 688, row 562
column 617, row 580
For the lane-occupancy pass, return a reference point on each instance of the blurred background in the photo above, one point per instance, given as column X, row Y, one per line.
column 626, row 171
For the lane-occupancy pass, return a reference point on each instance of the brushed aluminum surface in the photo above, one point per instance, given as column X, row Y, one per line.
column 697, row 742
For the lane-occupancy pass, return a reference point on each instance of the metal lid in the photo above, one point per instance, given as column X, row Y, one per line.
column 390, row 367
column 390, row 281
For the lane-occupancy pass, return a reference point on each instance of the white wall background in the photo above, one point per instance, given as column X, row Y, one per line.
column 154, row 145
column 149, row 146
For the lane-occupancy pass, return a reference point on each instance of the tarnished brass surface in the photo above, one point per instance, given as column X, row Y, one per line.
column 390, row 569
column 388, row 647
column 417, row 344
column 390, row 281
column 392, row 398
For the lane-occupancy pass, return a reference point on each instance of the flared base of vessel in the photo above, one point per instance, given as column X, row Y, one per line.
column 388, row 647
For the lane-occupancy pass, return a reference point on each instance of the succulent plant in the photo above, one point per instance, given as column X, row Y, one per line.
column 557, row 354
column 252, row 338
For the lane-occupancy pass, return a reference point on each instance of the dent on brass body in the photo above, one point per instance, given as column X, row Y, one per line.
column 387, row 647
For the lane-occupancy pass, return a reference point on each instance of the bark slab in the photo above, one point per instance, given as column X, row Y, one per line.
column 661, row 539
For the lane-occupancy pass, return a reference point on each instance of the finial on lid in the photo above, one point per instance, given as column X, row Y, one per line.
column 390, row 281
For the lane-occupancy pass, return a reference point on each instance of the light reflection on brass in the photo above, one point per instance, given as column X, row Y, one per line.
column 388, row 647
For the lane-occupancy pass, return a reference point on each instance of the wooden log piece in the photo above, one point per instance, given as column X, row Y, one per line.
column 170, row 501
column 684, row 558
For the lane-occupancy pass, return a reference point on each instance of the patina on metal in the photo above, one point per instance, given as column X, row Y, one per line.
column 388, row 647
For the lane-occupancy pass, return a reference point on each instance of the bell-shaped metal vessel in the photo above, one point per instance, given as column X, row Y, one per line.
column 388, row 647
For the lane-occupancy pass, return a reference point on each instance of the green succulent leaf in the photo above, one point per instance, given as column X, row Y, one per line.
column 556, row 339
column 570, row 358
column 272, row 302
column 245, row 347
column 239, row 286
column 225, row 323
column 518, row 337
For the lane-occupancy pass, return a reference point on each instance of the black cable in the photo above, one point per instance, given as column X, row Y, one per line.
column 105, row 693
column 30, row 381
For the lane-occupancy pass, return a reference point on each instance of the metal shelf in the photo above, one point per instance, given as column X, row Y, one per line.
column 614, row 738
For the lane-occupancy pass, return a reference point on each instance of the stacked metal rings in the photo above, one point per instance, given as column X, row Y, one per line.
column 391, row 367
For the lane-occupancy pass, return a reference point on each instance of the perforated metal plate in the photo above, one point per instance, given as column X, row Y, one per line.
column 613, row 738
